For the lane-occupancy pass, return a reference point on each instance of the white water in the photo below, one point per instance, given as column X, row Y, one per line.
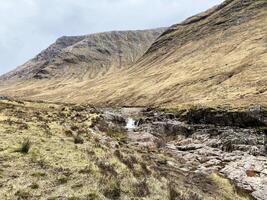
column 130, row 123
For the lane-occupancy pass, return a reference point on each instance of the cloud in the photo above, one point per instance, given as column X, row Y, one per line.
column 28, row 26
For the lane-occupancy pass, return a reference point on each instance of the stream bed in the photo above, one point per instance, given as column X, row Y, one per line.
column 238, row 153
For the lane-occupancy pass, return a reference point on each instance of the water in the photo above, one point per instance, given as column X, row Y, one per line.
column 130, row 123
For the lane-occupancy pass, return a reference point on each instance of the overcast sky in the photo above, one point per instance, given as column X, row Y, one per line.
column 29, row 26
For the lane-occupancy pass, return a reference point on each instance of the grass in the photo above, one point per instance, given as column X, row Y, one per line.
column 56, row 166
column 117, row 133
column 173, row 75
column 226, row 189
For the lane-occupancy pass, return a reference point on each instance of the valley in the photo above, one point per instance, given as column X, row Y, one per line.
column 177, row 113
column 216, row 59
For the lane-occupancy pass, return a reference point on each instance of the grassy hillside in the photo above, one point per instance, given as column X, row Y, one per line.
column 217, row 58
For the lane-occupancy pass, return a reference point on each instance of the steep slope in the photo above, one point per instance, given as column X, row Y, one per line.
column 216, row 58
column 83, row 57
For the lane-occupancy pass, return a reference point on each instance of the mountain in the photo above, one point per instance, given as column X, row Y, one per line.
column 84, row 57
column 216, row 58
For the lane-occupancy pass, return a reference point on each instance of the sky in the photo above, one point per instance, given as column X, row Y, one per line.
column 29, row 26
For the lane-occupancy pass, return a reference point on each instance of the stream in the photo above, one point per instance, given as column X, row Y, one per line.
column 130, row 124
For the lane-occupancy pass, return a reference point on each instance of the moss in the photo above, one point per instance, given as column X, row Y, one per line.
column 38, row 174
column 117, row 133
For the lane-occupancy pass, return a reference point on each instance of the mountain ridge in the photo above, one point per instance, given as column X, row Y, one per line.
column 216, row 58
column 95, row 51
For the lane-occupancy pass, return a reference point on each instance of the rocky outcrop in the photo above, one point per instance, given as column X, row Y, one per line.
column 250, row 174
column 254, row 116
column 209, row 141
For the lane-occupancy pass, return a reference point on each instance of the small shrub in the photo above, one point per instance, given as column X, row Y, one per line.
column 92, row 196
column 173, row 194
column 62, row 180
column 38, row 174
column 141, row 189
column 24, row 147
column 21, row 194
column 113, row 191
column 106, row 168
column 78, row 139
column 117, row 133
column 34, row 186
column 68, row 133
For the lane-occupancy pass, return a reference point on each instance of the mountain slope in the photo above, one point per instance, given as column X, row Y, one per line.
column 84, row 57
column 216, row 58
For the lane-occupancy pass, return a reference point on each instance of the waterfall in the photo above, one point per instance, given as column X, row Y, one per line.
column 130, row 123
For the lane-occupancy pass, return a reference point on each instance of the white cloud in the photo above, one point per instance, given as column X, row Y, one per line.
column 28, row 26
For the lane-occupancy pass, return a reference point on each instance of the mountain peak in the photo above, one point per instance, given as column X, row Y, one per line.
column 88, row 55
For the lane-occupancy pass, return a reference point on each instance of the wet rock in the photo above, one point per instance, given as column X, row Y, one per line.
column 223, row 118
column 190, row 147
column 114, row 118
column 172, row 128
column 4, row 98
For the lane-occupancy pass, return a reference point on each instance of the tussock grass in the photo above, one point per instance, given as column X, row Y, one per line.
column 57, row 168
column 25, row 146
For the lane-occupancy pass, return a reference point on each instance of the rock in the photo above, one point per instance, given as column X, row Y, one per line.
column 256, row 109
column 204, row 115
column 248, row 173
column 213, row 162
column 171, row 128
column 252, row 173
column 114, row 118
column 144, row 139
column 190, row 147
column 4, row 98
column 204, row 148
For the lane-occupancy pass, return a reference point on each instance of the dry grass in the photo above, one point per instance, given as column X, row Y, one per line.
column 217, row 64
column 55, row 167
column 226, row 188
